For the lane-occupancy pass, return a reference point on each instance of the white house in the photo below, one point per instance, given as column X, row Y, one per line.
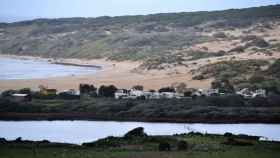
column 72, row 92
column 21, row 97
column 248, row 94
column 121, row 93
column 136, row 93
column 211, row 92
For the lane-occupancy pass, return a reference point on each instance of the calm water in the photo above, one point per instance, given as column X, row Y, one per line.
column 85, row 131
column 31, row 69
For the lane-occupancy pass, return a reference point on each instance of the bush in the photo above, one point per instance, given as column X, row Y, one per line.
column 256, row 78
column 239, row 49
column 182, row 145
column 67, row 96
column 258, row 42
column 187, row 94
column 107, row 91
column 25, row 91
column 230, row 101
column 105, row 143
column 220, row 35
column 38, row 95
column 235, row 142
column 274, row 100
column 164, row 146
column 199, row 77
column 137, row 132
column 166, row 89
column 8, row 93
column 88, row 89
column 138, row 87
column 227, row 134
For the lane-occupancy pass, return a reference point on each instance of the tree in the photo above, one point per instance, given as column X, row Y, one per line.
column 137, row 132
column 179, row 87
column 182, row 145
column 25, row 91
column 88, row 89
column 67, row 96
column 107, row 91
column 224, row 86
column 164, row 146
column 167, row 89
column 138, row 87
column 188, row 93
column 8, row 93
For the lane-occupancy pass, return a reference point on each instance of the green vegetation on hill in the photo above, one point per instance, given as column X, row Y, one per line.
column 235, row 70
column 125, row 37
column 244, row 73
column 210, row 109
column 193, row 145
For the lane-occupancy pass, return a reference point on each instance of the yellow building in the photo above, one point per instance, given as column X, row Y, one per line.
column 46, row 91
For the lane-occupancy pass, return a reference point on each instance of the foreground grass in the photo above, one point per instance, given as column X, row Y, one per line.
column 205, row 146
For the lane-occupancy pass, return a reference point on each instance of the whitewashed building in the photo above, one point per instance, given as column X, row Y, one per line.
column 248, row 94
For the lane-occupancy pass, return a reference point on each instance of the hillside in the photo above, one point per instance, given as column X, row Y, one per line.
column 156, row 37
column 154, row 50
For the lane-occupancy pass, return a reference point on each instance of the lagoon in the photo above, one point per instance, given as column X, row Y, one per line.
column 11, row 68
column 77, row 132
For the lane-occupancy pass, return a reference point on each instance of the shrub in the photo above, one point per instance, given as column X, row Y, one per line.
column 187, row 94
column 249, row 38
column 227, row 134
column 258, row 42
column 256, row 78
column 25, row 91
column 182, row 145
column 137, row 132
column 164, row 146
column 235, row 142
column 195, row 134
column 67, row 96
column 166, row 89
column 239, row 49
column 198, row 77
column 138, row 87
column 3, row 141
column 179, row 87
column 88, row 89
column 220, row 35
column 8, row 93
column 107, row 91
column 105, row 143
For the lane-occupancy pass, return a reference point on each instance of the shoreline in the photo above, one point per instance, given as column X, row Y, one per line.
column 13, row 116
column 77, row 65
column 121, row 74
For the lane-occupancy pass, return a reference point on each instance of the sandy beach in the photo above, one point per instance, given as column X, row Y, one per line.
column 120, row 74
column 123, row 74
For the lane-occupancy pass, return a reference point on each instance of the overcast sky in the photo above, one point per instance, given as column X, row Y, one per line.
column 15, row 10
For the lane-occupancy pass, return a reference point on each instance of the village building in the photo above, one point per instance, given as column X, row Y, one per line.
column 21, row 97
column 248, row 94
column 211, row 92
column 121, row 93
column 72, row 92
column 46, row 91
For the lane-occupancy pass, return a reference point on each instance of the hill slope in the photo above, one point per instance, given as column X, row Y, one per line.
column 137, row 37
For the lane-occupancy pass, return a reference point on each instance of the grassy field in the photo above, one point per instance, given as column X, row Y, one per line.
column 199, row 146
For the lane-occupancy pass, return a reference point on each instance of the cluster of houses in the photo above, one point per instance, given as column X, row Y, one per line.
column 138, row 94
column 133, row 94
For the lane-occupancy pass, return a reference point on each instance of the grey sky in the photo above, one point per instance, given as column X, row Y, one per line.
column 14, row 10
